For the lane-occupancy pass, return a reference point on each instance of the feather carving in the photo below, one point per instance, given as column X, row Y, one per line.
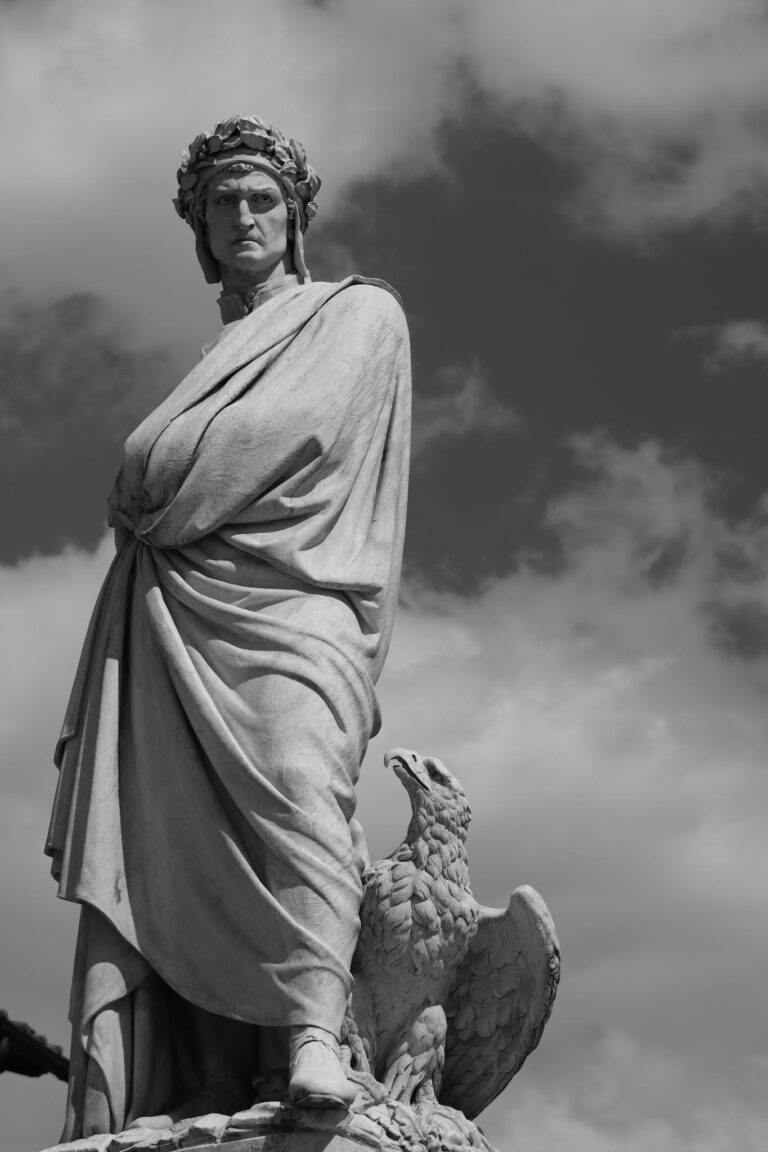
column 449, row 997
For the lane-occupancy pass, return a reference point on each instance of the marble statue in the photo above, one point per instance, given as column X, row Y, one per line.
column 449, row 998
column 204, row 817
column 242, row 971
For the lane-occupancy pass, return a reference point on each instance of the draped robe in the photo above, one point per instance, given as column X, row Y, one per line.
column 224, row 698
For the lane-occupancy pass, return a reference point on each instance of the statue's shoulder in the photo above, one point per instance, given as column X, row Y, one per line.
column 366, row 300
column 378, row 290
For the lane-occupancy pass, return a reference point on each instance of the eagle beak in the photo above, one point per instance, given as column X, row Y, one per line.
column 408, row 766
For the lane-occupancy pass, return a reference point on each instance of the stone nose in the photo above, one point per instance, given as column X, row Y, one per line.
column 244, row 216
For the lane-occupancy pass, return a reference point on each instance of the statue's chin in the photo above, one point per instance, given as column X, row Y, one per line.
column 249, row 263
column 249, row 270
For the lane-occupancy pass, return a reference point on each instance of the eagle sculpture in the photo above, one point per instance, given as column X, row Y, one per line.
column 449, row 997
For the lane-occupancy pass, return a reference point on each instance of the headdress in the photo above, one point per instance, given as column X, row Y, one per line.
column 245, row 143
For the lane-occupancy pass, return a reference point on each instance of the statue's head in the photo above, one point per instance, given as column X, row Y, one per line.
column 248, row 193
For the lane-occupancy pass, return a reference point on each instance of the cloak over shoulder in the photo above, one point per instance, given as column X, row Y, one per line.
column 224, row 698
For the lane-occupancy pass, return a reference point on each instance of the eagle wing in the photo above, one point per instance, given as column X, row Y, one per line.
column 500, row 1000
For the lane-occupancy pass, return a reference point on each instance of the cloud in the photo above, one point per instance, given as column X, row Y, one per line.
column 112, row 94
column 659, row 108
column 540, row 1122
column 612, row 741
column 662, row 106
column 45, row 604
column 464, row 405
column 728, row 346
column 74, row 386
column 611, row 737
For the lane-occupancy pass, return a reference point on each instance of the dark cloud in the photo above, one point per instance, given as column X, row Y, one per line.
column 463, row 406
column 742, row 628
column 605, row 706
column 573, row 333
column 74, row 386
column 735, row 345
column 613, row 750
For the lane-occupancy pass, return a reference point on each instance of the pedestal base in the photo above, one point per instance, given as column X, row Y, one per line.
column 270, row 1127
column 372, row 1126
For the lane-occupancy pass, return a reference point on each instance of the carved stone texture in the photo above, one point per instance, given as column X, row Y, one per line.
column 271, row 1127
column 388, row 1126
column 449, row 997
column 203, row 818
column 449, row 1000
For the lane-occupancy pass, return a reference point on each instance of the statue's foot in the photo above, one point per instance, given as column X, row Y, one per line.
column 317, row 1078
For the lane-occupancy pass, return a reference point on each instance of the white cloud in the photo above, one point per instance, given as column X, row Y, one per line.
column 660, row 106
column 45, row 604
column 111, row 94
column 611, row 734
column 541, row 1122
column 613, row 745
column 728, row 345
column 463, row 404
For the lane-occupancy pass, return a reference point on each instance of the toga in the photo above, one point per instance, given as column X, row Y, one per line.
column 225, row 695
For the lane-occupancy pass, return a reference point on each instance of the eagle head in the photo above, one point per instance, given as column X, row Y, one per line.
column 434, row 792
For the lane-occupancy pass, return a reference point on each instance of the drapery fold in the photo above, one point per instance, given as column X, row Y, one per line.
column 224, row 699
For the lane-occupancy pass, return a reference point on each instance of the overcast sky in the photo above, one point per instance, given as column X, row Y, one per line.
column 572, row 198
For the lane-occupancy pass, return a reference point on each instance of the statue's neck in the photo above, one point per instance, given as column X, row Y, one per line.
column 235, row 303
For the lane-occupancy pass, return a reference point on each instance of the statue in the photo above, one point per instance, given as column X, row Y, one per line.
column 224, row 700
column 449, row 997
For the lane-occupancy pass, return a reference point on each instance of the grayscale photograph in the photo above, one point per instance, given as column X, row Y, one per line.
column 384, row 576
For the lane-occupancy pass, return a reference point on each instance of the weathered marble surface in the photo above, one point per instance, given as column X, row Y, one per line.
column 450, row 997
column 221, row 711
column 276, row 1127
column 225, row 698
column 271, row 1126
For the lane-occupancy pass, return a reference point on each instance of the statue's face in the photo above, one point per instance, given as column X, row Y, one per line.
column 247, row 220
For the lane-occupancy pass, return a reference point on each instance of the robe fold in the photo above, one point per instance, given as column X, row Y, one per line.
column 225, row 696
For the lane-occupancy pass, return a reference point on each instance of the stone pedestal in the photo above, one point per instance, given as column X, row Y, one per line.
column 288, row 1142
column 386, row 1126
column 265, row 1128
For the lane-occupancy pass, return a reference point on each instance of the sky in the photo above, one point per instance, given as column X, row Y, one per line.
column 571, row 197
